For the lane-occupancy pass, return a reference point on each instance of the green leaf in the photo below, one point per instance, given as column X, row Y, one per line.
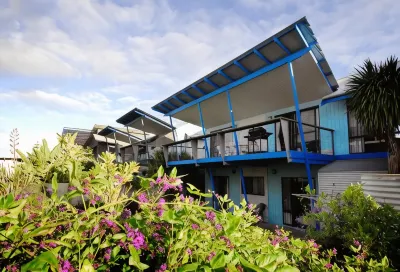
column 287, row 268
column 233, row 223
column 119, row 236
column 54, row 183
column 218, row 261
column 188, row 267
column 173, row 173
column 41, row 262
column 160, row 172
column 87, row 266
column 15, row 211
column 249, row 265
column 206, row 268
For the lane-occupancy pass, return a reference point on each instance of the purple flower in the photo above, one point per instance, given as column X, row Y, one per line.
column 357, row 243
column 328, row 266
column 52, row 244
column 137, row 238
column 182, row 198
column 62, row 208
column 160, row 212
column 152, row 184
column 278, row 232
column 210, row 216
column 157, row 236
column 93, row 202
column 275, row 242
column 126, row 214
column 161, row 202
column 163, row 267
column 190, row 199
column 49, row 190
column 107, row 255
column 334, row 251
column 108, row 223
column 195, row 226
column 180, row 188
column 71, row 188
column 218, row 227
column 97, row 198
column 86, row 191
column 189, row 251
column 65, row 266
column 210, row 256
column 143, row 198
column 158, row 180
column 18, row 197
column 161, row 249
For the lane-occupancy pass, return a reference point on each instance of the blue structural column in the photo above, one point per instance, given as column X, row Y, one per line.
column 300, row 124
column 173, row 130
column 207, row 154
column 237, row 145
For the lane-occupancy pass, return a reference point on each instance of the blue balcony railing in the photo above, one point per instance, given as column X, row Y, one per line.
column 276, row 135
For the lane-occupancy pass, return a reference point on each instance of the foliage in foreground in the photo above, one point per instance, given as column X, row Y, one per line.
column 353, row 218
column 167, row 231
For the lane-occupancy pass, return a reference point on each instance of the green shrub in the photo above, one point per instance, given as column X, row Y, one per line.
column 168, row 231
column 353, row 217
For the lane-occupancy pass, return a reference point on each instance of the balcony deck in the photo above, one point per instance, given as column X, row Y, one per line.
column 274, row 139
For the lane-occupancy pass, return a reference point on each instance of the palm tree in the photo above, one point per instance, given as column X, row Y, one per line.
column 374, row 99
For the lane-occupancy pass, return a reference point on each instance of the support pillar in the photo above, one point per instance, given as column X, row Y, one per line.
column 173, row 130
column 207, row 154
column 300, row 124
column 145, row 140
column 237, row 145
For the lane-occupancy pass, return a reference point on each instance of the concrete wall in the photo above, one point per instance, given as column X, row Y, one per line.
column 334, row 115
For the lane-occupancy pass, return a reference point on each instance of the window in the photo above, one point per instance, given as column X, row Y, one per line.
column 311, row 133
column 254, row 185
column 360, row 141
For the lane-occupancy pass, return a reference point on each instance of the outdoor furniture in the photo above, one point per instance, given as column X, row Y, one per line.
column 255, row 136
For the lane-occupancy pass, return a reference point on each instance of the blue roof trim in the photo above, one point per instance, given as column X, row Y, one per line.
column 241, row 67
column 280, row 44
column 261, row 56
column 225, row 75
column 244, row 79
column 301, row 24
column 334, row 99
column 198, row 89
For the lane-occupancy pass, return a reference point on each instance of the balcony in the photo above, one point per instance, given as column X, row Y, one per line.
column 139, row 153
column 273, row 139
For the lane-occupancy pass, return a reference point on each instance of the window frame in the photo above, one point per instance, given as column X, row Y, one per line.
column 253, row 179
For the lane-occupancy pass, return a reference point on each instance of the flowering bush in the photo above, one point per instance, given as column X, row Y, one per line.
column 167, row 231
column 354, row 219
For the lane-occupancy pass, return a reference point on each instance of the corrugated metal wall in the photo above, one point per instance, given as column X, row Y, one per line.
column 383, row 187
column 334, row 183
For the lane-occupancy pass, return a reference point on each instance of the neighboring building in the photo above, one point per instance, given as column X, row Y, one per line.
column 250, row 109
column 141, row 136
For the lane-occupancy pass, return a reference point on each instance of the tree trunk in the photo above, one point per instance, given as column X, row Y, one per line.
column 394, row 155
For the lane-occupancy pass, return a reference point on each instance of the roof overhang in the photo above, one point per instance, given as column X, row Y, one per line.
column 82, row 134
column 258, row 80
column 123, row 136
column 143, row 121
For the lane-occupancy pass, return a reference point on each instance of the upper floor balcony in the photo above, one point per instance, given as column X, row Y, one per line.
column 278, row 138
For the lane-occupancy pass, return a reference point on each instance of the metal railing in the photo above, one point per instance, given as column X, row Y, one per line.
column 279, row 134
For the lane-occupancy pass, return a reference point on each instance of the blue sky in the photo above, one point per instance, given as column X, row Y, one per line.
column 78, row 63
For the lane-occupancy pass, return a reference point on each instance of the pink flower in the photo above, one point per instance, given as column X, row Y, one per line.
column 210, row 256
column 334, row 251
column 189, row 251
column 52, row 244
column 163, row 267
column 218, row 227
column 93, row 202
column 182, row 198
column 357, row 243
column 328, row 266
column 143, row 198
column 210, row 216
column 86, row 191
column 195, row 226
column 49, row 190
column 71, row 188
